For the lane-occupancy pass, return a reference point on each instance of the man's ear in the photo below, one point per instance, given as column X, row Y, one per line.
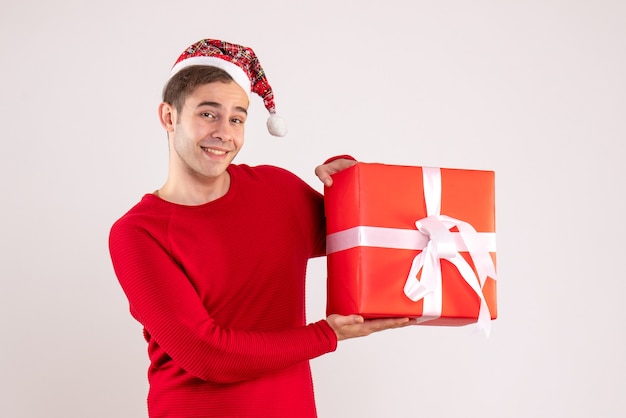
column 167, row 116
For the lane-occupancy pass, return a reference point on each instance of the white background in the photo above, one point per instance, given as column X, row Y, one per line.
column 534, row 90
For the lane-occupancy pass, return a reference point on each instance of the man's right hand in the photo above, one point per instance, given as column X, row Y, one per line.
column 352, row 326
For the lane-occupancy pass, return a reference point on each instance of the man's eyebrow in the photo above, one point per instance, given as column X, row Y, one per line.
column 206, row 103
column 219, row 105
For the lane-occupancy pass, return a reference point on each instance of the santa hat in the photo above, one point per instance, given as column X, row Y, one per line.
column 242, row 65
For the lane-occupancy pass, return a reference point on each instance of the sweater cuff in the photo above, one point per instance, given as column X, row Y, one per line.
column 339, row 157
column 329, row 333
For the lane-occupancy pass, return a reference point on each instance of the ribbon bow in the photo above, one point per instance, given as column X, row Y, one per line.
column 424, row 280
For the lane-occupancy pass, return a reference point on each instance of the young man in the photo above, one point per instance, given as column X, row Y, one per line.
column 213, row 263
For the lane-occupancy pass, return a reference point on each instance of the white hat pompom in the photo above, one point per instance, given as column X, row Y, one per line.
column 276, row 125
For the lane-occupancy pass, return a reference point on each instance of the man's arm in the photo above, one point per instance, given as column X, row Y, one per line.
column 166, row 303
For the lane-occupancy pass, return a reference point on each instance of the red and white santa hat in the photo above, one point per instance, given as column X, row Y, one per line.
column 242, row 64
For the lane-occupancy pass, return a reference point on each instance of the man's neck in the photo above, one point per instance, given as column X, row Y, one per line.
column 194, row 192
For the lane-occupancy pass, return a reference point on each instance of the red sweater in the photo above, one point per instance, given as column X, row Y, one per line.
column 219, row 289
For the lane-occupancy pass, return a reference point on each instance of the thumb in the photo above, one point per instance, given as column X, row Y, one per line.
column 337, row 320
column 353, row 319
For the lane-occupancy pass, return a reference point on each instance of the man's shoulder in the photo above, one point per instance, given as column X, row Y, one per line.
column 147, row 212
column 273, row 182
column 263, row 172
column 259, row 169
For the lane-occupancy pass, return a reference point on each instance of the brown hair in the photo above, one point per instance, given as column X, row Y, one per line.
column 184, row 82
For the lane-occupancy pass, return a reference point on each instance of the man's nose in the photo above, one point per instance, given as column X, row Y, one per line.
column 223, row 130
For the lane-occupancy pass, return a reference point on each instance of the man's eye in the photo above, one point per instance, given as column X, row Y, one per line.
column 208, row 115
column 237, row 120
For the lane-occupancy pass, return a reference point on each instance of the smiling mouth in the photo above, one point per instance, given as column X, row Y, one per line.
column 213, row 151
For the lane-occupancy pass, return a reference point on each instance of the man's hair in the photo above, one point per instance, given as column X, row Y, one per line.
column 184, row 82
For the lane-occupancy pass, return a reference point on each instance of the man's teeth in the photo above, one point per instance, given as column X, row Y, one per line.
column 214, row 151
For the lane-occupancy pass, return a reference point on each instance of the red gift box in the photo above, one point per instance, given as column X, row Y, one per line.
column 413, row 242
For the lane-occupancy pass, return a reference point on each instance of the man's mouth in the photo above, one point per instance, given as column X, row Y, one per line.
column 213, row 151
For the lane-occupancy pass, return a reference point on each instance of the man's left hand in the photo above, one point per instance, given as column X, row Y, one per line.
column 325, row 171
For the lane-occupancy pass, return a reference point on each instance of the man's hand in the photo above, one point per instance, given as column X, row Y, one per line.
column 324, row 171
column 352, row 326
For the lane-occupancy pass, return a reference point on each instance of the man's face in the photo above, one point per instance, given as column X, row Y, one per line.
column 209, row 130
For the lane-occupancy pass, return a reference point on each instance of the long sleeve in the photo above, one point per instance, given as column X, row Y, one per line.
column 165, row 301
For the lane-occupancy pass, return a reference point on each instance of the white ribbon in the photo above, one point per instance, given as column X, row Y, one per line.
column 437, row 242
